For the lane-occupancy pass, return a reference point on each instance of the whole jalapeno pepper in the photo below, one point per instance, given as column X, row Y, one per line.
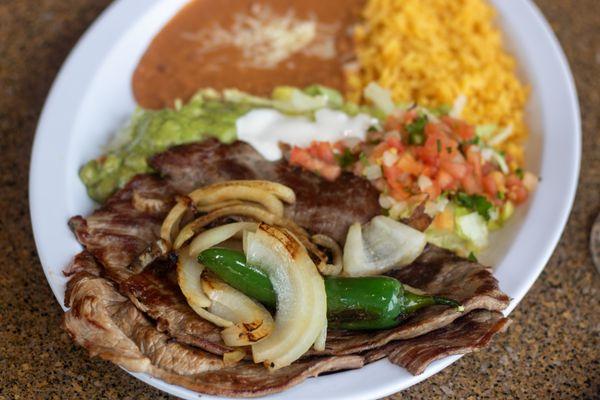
column 365, row 303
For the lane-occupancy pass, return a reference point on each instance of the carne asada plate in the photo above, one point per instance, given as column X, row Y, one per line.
column 234, row 226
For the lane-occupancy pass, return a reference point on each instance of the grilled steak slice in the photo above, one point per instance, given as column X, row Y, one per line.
column 127, row 224
column 470, row 333
column 438, row 272
column 110, row 326
column 124, row 226
column 321, row 206
column 155, row 292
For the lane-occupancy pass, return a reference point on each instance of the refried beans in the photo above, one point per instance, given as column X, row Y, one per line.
column 250, row 45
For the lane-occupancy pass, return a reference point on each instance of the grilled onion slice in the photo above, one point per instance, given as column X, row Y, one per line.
column 301, row 300
column 189, row 270
column 269, row 195
column 379, row 246
column 252, row 320
column 196, row 225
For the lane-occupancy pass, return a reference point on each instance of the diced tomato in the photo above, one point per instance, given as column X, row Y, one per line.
column 518, row 194
column 299, row 156
column 489, row 185
column 474, row 159
column 444, row 220
column 329, row 172
column 303, row 158
column 407, row 163
column 322, row 151
column 433, row 190
column 457, row 170
column 445, row 180
column 378, row 151
column 516, row 190
column 429, row 171
column 488, row 168
column 500, row 180
column 470, row 184
column 395, row 143
column 513, row 180
column 397, row 180
column 460, row 129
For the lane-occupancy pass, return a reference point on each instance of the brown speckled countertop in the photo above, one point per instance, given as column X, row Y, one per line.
column 551, row 351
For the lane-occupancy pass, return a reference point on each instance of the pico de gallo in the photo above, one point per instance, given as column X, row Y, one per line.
column 420, row 156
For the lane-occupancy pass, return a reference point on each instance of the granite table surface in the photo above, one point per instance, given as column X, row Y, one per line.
column 552, row 350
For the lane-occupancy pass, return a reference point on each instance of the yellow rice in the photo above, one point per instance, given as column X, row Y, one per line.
column 432, row 51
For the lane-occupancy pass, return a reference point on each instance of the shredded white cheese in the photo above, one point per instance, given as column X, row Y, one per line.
column 266, row 38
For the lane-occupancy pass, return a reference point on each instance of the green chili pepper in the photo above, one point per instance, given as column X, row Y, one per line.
column 375, row 302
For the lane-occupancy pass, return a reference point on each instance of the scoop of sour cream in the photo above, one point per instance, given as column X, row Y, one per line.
column 265, row 128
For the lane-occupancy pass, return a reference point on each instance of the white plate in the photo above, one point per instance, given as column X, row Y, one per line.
column 91, row 97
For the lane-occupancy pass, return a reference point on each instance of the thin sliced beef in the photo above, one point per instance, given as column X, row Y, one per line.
column 321, row 207
column 115, row 235
column 108, row 325
column 438, row 272
column 124, row 226
column 155, row 292
column 467, row 334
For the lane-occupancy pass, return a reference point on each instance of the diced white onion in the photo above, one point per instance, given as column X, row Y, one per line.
column 501, row 136
column 373, row 172
column 459, row 104
column 424, row 182
column 389, row 158
column 380, row 97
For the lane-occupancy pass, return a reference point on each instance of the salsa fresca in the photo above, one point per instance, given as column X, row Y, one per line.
column 418, row 158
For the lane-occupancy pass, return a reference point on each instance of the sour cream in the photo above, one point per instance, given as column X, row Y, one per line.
column 265, row 128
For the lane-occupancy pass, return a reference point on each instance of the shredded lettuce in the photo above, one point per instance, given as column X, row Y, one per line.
column 380, row 97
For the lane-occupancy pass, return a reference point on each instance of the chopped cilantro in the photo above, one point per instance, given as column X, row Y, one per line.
column 345, row 159
column 472, row 257
column 439, row 145
column 476, row 141
column 519, row 172
column 475, row 202
column 449, row 150
column 372, row 128
column 444, row 109
column 416, row 130
column 500, row 195
column 363, row 159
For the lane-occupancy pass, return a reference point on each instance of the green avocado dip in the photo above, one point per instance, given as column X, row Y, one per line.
column 150, row 132
column 208, row 114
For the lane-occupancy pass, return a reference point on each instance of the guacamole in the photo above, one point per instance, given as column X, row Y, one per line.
column 207, row 114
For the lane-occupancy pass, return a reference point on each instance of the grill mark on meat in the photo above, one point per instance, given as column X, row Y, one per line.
column 100, row 317
column 321, row 206
column 83, row 262
column 465, row 335
column 117, row 233
column 155, row 292
column 437, row 272
column 131, row 341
